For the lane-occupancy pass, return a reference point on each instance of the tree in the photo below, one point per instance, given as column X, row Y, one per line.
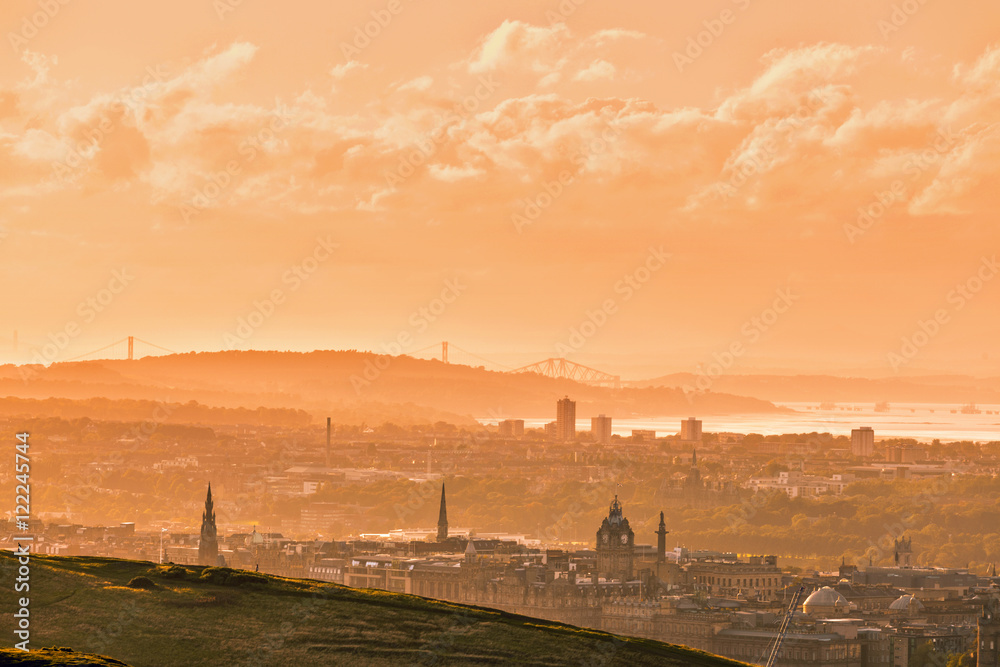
column 773, row 468
column 962, row 659
column 926, row 655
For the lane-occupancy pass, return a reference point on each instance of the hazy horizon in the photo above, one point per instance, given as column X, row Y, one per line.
column 637, row 188
column 630, row 367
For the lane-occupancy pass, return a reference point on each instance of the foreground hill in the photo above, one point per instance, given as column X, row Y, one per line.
column 214, row 616
column 353, row 387
column 55, row 657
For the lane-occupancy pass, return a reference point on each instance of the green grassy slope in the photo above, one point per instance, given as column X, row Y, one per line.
column 55, row 657
column 85, row 603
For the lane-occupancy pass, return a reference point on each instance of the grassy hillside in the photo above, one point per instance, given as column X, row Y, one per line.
column 55, row 657
column 213, row 616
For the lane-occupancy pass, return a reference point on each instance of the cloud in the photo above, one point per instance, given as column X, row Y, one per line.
column 421, row 83
column 341, row 71
column 598, row 70
column 805, row 132
column 452, row 174
column 550, row 55
column 518, row 45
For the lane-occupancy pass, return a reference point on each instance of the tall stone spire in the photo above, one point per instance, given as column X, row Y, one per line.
column 661, row 541
column 208, row 548
column 442, row 518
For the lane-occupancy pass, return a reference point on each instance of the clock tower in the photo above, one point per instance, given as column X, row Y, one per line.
column 615, row 545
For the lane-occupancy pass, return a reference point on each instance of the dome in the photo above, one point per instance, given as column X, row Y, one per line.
column 825, row 601
column 255, row 538
column 906, row 603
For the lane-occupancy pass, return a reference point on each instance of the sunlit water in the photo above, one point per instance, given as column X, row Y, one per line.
column 922, row 421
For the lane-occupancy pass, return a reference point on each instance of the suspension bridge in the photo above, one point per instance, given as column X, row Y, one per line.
column 124, row 349
column 132, row 347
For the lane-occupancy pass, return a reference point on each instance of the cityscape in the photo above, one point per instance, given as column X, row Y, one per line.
column 536, row 332
column 611, row 556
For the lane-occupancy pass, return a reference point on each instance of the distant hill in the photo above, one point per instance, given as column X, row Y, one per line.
column 353, row 387
column 216, row 616
column 959, row 389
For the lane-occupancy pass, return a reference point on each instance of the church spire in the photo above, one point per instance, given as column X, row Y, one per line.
column 208, row 516
column 442, row 518
column 208, row 548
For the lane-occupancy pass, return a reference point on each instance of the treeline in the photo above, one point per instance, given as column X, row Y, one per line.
column 128, row 410
column 953, row 522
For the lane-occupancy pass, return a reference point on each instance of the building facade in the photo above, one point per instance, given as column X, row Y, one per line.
column 988, row 636
column 565, row 419
column 600, row 428
column 691, row 430
column 863, row 442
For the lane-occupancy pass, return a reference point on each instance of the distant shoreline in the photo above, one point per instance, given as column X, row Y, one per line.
column 921, row 425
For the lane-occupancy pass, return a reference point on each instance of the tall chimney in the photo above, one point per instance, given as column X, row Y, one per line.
column 327, row 442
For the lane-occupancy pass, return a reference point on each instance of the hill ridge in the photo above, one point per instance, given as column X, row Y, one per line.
column 323, row 381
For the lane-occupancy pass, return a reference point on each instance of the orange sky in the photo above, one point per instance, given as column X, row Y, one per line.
column 214, row 153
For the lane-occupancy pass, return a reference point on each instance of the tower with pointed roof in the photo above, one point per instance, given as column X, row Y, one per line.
column 208, row 547
column 694, row 477
column 615, row 545
column 903, row 552
column 442, row 518
column 470, row 552
column 661, row 541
